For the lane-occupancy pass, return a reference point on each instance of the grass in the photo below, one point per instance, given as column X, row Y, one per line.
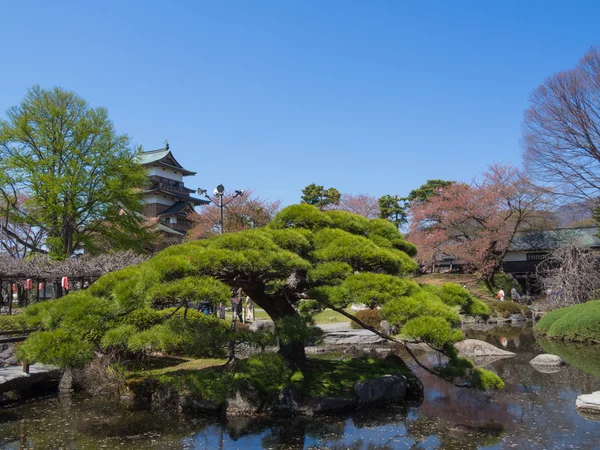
column 471, row 283
column 326, row 316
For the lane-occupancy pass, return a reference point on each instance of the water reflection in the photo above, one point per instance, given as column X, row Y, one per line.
column 535, row 410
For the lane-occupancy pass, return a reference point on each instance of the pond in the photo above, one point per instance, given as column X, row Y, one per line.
column 535, row 410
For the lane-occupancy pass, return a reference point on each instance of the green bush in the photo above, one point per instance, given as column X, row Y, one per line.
column 57, row 347
column 546, row 322
column 370, row 317
column 11, row 323
column 399, row 311
column 198, row 335
column 454, row 295
column 485, row 379
column 433, row 330
column 509, row 307
column 576, row 323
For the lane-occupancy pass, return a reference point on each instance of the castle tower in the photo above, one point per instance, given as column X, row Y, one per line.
column 166, row 198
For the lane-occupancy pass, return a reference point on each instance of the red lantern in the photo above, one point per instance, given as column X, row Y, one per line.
column 28, row 284
column 40, row 286
column 65, row 283
column 14, row 288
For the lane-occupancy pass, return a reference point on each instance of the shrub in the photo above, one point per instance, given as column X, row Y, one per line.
column 509, row 307
column 575, row 323
column 546, row 322
column 433, row 330
column 11, row 323
column 370, row 317
column 57, row 347
column 403, row 309
column 485, row 379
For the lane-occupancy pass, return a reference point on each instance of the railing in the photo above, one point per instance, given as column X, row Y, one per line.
column 170, row 185
column 6, row 337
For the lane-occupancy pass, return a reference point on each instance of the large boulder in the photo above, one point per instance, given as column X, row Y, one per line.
column 288, row 400
column 7, row 355
column 382, row 389
column 547, row 360
column 589, row 402
column 472, row 348
column 245, row 400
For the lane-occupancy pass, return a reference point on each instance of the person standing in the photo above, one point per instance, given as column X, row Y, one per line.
column 514, row 294
column 501, row 295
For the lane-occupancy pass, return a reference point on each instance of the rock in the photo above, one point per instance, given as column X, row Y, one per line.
column 288, row 400
column 517, row 318
column 7, row 355
column 67, row 382
column 547, row 360
column 471, row 348
column 394, row 359
column 387, row 328
column 244, row 400
column 164, row 398
column 546, row 369
column 589, row 402
column 386, row 388
column 71, row 380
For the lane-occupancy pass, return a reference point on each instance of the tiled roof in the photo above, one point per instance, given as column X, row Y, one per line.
column 176, row 208
column 166, row 229
column 162, row 156
column 197, row 201
column 544, row 240
column 152, row 156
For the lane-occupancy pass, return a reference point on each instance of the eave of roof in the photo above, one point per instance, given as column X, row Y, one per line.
column 178, row 209
column 545, row 240
column 197, row 201
column 166, row 229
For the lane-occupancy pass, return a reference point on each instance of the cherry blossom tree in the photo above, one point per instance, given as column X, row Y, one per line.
column 362, row 204
column 241, row 213
column 476, row 222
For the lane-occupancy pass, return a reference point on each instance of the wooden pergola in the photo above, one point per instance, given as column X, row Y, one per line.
column 81, row 272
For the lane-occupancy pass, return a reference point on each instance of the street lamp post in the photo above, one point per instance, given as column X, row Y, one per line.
column 218, row 193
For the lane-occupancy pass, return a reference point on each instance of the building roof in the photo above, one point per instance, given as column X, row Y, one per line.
column 196, row 201
column 164, row 157
column 178, row 208
column 546, row 240
column 166, row 229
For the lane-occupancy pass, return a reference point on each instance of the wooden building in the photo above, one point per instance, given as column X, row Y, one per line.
column 167, row 199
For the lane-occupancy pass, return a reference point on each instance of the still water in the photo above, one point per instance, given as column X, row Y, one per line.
column 535, row 411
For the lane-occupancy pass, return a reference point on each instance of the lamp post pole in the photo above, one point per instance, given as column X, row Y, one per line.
column 219, row 192
column 221, row 208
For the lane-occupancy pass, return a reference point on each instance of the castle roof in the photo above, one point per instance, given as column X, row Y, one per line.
column 184, row 197
column 163, row 157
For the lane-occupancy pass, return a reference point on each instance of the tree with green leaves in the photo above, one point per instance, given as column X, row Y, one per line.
column 392, row 208
column 305, row 260
column 427, row 190
column 78, row 176
column 320, row 197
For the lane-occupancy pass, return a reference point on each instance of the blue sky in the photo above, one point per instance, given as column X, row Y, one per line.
column 367, row 96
